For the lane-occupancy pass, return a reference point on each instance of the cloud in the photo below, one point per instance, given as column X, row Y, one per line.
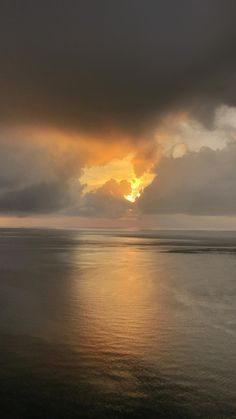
column 114, row 66
column 22, row 163
column 39, row 175
column 198, row 183
column 106, row 201
column 36, row 199
column 36, row 176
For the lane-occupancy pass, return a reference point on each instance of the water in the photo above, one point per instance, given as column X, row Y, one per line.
column 105, row 324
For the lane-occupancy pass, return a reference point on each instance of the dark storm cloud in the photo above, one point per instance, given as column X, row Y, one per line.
column 35, row 178
column 22, row 163
column 99, row 64
column 199, row 183
column 39, row 198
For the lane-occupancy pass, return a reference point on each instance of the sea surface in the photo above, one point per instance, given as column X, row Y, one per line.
column 117, row 324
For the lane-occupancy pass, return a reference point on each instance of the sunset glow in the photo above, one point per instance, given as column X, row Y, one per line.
column 117, row 178
column 136, row 190
column 95, row 134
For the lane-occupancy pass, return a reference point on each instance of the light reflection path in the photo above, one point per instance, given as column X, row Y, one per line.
column 119, row 301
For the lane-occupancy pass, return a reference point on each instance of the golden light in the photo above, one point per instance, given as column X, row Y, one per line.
column 120, row 171
column 136, row 189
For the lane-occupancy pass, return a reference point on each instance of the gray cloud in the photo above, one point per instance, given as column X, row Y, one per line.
column 96, row 65
column 35, row 178
column 23, row 163
column 199, row 183
column 106, row 201
column 36, row 199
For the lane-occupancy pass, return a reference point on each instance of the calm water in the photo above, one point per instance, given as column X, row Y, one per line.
column 117, row 325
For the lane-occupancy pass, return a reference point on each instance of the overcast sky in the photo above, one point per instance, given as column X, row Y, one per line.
column 96, row 94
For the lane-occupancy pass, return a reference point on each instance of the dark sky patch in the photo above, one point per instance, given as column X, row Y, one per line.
column 104, row 65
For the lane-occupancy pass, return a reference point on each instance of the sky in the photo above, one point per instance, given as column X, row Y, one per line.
column 118, row 114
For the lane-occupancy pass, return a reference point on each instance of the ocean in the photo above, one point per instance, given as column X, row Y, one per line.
column 117, row 324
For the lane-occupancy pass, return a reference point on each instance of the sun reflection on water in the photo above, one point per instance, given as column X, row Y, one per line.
column 115, row 299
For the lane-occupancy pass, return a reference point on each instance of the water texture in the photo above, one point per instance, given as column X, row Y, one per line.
column 116, row 324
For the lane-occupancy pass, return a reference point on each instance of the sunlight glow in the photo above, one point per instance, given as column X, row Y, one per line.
column 120, row 171
column 136, row 189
